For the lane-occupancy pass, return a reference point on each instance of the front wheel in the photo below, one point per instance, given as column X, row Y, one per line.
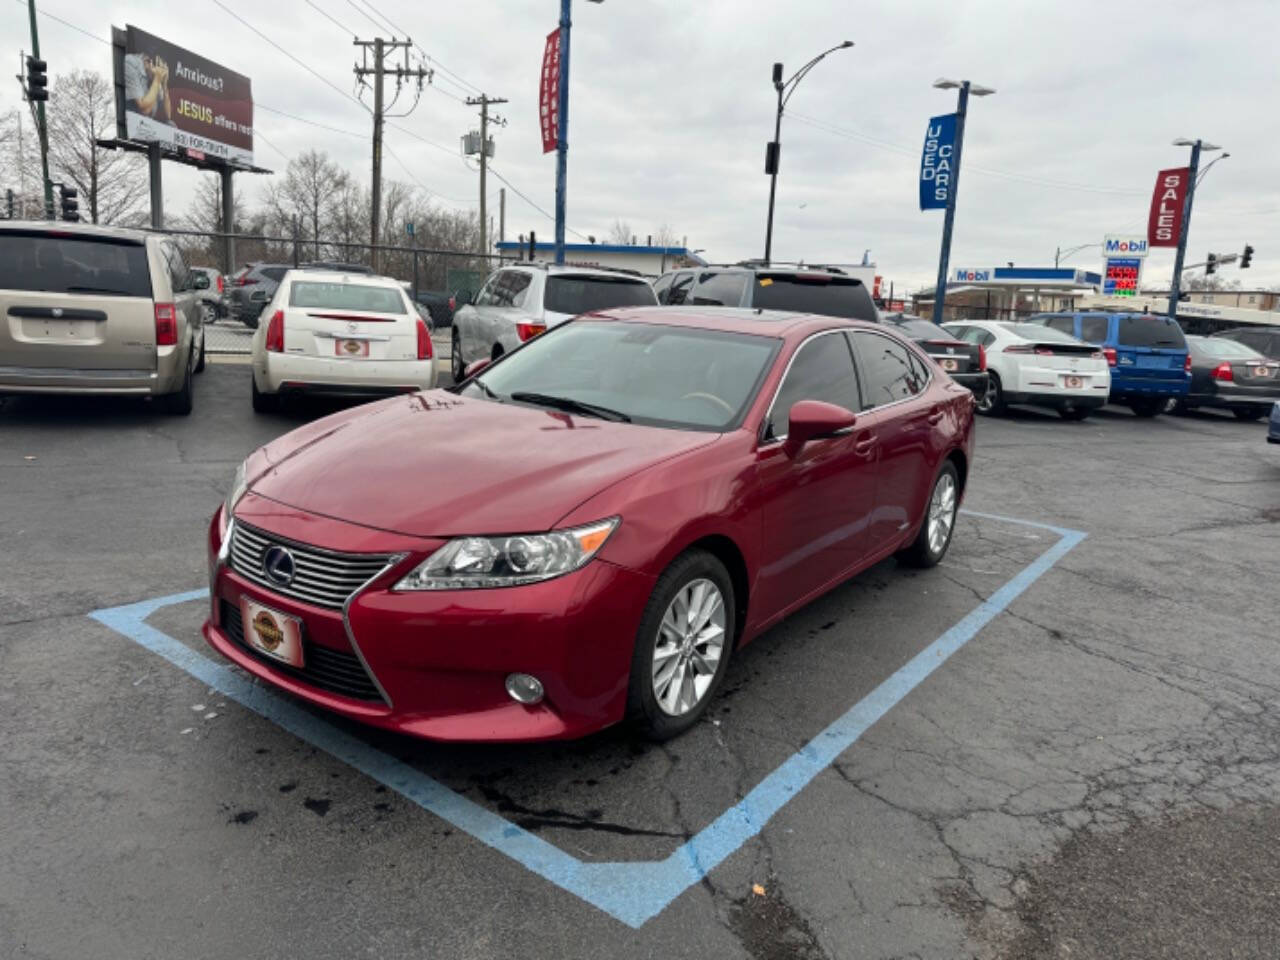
column 1146, row 407
column 263, row 402
column 992, row 401
column 1247, row 413
column 931, row 543
column 682, row 647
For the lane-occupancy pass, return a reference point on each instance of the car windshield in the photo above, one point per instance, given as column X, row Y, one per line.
column 667, row 376
column 1218, row 347
column 567, row 293
column 827, row 294
column 1033, row 331
column 33, row 260
column 318, row 295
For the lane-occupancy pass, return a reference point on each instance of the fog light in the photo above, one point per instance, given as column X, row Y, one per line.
column 524, row 688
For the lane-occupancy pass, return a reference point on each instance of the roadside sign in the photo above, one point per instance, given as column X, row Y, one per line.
column 1164, row 224
column 1120, row 279
column 936, row 160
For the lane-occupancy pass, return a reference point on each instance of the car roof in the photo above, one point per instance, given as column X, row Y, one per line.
column 768, row 323
column 341, row 276
column 68, row 227
column 550, row 268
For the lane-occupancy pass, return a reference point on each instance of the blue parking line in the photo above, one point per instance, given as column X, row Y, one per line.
column 631, row 892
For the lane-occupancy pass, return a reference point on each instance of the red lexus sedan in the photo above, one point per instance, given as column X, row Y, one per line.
column 586, row 529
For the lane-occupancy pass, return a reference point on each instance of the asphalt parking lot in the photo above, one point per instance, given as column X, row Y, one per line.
column 1052, row 745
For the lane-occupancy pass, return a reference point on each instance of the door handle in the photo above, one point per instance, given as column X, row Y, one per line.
column 935, row 415
column 864, row 448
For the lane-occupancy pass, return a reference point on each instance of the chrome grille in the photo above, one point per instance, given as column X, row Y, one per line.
column 322, row 578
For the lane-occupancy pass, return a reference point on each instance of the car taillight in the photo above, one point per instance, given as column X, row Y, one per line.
column 1110, row 354
column 245, row 282
column 166, row 325
column 424, row 341
column 1186, row 364
column 220, row 286
column 1223, row 372
column 527, row 331
column 275, row 333
column 982, row 358
column 453, row 303
column 1045, row 351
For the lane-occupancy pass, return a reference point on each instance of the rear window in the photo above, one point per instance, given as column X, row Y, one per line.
column 1095, row 329
column 918, row 329
column 1033, row 331
column 1218, row 347
column 314, row 294
column 720, row 289
column 570, row 294
column 1148, row 330
column 73, row 264
column 274, row 273
column 825, row 294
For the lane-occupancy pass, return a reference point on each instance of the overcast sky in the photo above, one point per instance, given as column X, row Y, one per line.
column 671, row 105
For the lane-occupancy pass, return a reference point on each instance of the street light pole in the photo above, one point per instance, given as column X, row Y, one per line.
column 1059, row 255
column 562, row 126
column 773, row 150
column 1176, row 283
column 944, row 256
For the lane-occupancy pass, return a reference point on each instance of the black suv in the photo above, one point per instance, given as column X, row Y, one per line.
column 805, row 289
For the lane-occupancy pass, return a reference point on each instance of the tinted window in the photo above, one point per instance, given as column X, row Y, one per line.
column 887, row 372
column 659, row 375
column 274, row 273
column 1065, row 325
column 177, row 267
column 1218, row 347
column 661, row 286
column 918, row 329
column 720, row 289
column 822, row 370
column 510, row 288
column 1033, row 331
column 1148, row 330
column 569, row 294
column 317, row 294
column 34, row 261
column 485, row 297
column 680, row 288
column 827, row 294
column 1095, row 329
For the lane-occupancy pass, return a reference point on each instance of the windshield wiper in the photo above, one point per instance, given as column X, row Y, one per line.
column 110, row 290
column 569, row 405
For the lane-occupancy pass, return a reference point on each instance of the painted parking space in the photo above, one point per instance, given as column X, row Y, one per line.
column 631, row 891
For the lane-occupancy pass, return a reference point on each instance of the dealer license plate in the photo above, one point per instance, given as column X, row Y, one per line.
column 351, row 348
column 1073, row 383
column 949, row 365
column 1262, row 371
column 271, row 632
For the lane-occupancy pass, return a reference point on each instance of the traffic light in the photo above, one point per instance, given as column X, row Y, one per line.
column 1211, row 265
column 37, row 79
column 70, row 208
column 1246, row 257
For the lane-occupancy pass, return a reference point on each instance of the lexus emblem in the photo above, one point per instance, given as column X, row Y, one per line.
column 278, row 565
column 57, row 311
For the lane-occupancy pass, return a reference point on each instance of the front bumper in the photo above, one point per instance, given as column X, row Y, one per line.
column 440, row 658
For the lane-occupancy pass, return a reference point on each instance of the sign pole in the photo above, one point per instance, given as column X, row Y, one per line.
column 157, row 191
column 43, row 132
column 562, row 128
column 944, row 257
column 1176, row 283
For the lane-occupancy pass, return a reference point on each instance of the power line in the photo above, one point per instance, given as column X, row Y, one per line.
column 377, row 26
column 330, row 18
column 516, row 191
column 428, row 190
column 310, row 123
column 439, row 66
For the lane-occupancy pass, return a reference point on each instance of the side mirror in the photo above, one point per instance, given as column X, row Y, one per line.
column 475, row 367
column 199, row 281
column 813, row 420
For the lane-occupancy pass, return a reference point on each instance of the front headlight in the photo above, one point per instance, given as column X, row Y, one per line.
column 467, row 563
column 238, row 489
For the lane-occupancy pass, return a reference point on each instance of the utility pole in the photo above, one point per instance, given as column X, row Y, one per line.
column 502, row 214
column 42, row 128
column 380, row 48
column 485, row 149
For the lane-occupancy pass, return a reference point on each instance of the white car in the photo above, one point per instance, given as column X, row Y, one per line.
column 1038, row 366
column 521, row 301
column 339, row 334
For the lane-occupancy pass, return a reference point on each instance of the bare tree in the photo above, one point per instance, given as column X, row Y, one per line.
column 310, row 183
column 665, row 236
column 112, row 184
column 20, row 164
column 1212, row 281
column 620, row 233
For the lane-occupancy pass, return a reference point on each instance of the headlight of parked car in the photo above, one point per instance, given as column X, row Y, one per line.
column 239, row 487
column 467, row 563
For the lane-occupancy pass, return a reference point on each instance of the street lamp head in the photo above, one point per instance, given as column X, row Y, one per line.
column 942, row 83
column 978, row 90
column 1208, row 146
column 847, row 43
column 1184, row 142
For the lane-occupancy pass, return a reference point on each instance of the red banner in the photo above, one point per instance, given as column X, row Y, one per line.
column 549, row 92
column 1165, row 223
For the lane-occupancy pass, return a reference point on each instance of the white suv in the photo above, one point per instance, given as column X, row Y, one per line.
column 519, row 302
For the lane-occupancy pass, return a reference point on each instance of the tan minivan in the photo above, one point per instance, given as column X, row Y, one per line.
column 97, row 310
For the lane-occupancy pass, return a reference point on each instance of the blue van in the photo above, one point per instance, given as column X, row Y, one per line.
column 1147, row 352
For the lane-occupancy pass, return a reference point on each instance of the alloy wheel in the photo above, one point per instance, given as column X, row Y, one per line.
column 942, row 512
column 688, row 647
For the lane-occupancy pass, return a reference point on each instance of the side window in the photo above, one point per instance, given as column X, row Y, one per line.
column 959, row 331
column 720, row 289
column 919, row 369
column 822, row 370
column 661, row 286
column 886, row 369
column 1065, row 325
column 177, row 269
column 485, row 296
column 506, row 286
column 680, row 287
column 1094, row 329
column 972, row 335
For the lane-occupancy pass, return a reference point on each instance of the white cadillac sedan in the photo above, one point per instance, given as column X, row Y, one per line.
column 1038, row 366
column 338, row 334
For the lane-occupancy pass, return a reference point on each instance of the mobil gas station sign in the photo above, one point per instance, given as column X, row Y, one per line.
column 1115, row 245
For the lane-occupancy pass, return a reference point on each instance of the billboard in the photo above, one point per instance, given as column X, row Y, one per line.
column 1164, row 224
column 174, row 97
column 936, row 162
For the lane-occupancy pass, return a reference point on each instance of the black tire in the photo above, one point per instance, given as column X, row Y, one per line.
column 456, row 366
column 200, row 360
column 1146, row 407
column 921, row 553
column 251, row 321
column 643, row 710
column 496, row 352
column 1180, row 408
column 263, row 402
column 1074, row 413
column 1248, row 414
column 179, row 404
column 992, row 402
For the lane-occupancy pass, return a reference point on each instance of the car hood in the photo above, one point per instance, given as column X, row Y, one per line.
column 437, row 465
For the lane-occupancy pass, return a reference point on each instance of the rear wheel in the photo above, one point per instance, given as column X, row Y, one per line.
column 930, row 544
column 1147, row 406
column 1247, row 413
column 456, row 365
column 200, row 360
column 263, row 402
column 1179, row 408
column 682, row 647
column 992, row 401
column 180, row 403
column 1073, row 413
